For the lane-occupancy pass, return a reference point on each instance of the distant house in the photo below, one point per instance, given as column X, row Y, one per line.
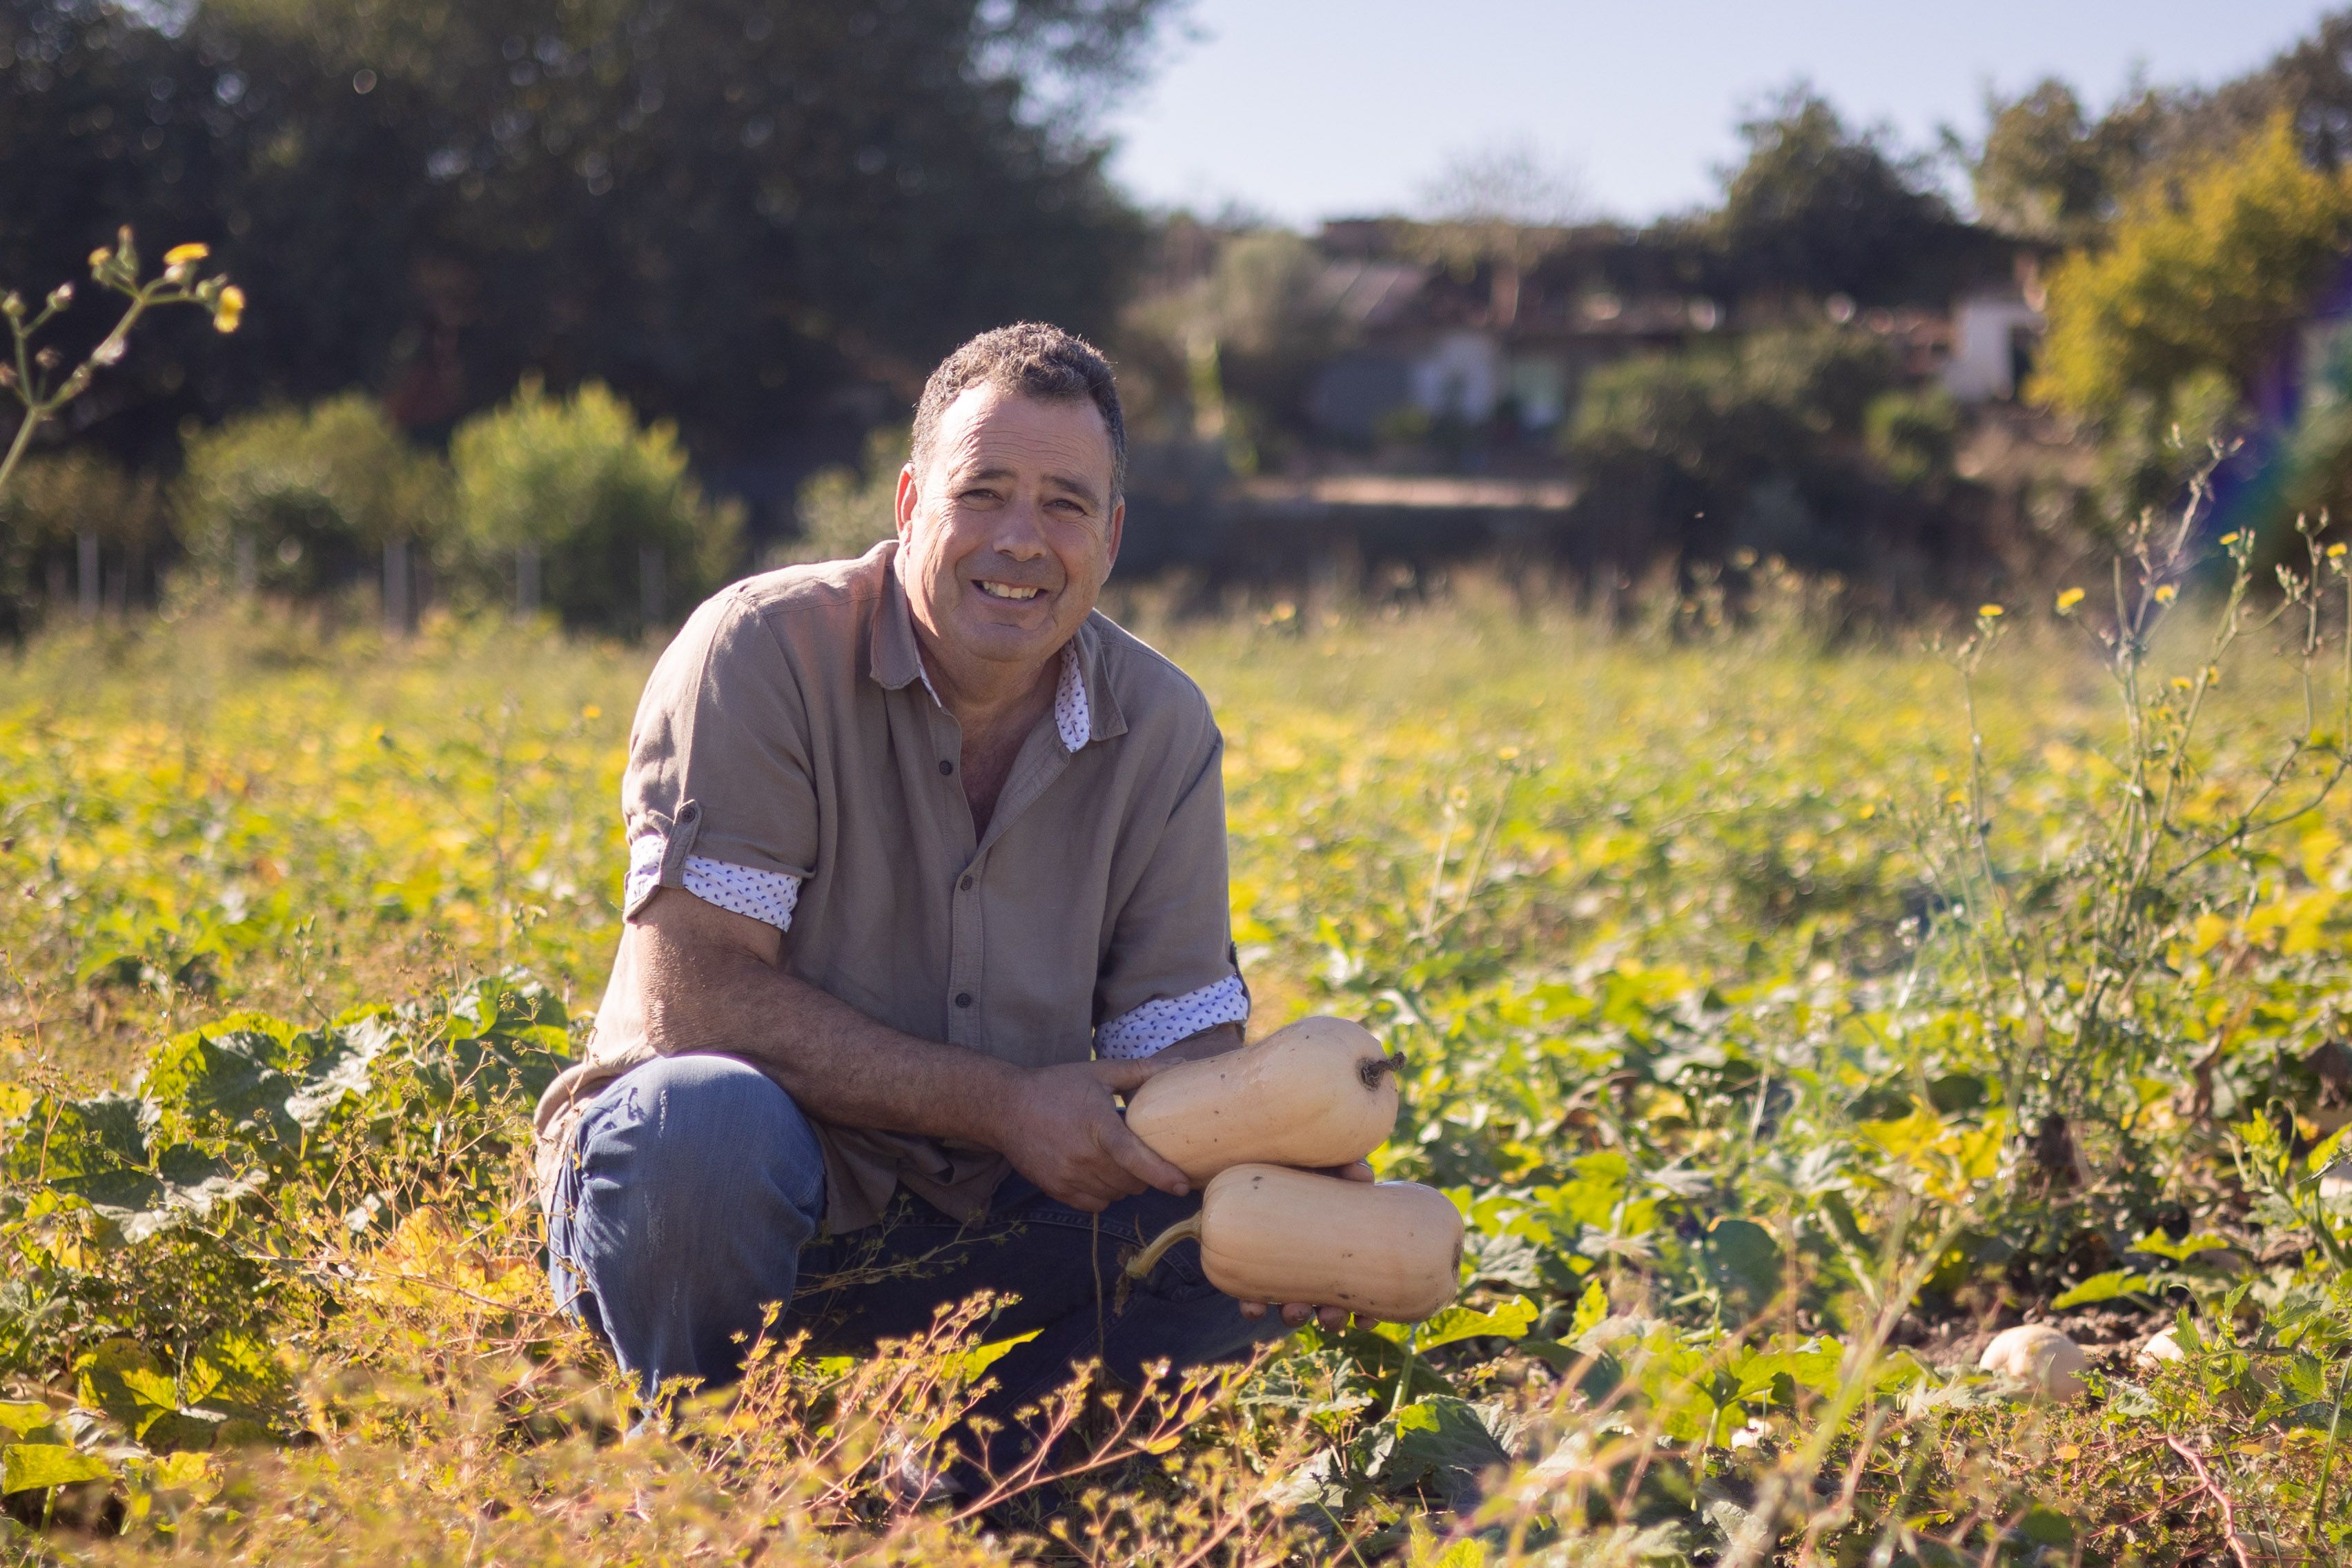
column 1466, row 346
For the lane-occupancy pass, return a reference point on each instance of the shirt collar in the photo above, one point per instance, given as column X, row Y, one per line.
column 1084, row 708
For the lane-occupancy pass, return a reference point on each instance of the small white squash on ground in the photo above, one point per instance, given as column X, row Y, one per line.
column 1318, row 1092
column 2039, row 1356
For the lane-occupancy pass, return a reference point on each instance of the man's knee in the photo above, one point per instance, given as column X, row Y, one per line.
column 701, row 1124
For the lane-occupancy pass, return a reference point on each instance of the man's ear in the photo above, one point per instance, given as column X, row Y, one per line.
column 909, row 497
column 1117, row 528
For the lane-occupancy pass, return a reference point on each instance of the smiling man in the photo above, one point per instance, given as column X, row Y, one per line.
column 927, row 863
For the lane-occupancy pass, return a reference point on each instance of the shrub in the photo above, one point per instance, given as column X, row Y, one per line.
column 845, row 511
column 300, row 501
column 52, row 499
column 620, row 532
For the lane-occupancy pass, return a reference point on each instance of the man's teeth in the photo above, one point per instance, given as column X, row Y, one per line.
column 1007, row 591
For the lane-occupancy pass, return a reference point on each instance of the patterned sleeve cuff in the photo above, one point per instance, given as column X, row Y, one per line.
column 768, row 897
column 1156, row 1026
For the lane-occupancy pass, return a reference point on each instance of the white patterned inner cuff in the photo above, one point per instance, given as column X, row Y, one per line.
column 767, row 896
column 1156, row 1026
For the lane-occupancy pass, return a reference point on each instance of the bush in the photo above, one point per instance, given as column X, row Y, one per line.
column 302, row 500
column 1699, row 455
column 620, row 532
column 843, row 511
column 51, row 500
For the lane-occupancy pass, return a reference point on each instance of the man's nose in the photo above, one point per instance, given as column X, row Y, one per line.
column 1020, row 531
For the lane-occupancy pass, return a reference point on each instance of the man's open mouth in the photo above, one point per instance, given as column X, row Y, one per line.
column 1013, row 590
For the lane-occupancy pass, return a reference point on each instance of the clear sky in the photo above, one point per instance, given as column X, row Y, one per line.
column 1310, row 109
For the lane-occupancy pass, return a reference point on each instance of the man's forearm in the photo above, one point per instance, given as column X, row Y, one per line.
column 836, row 1062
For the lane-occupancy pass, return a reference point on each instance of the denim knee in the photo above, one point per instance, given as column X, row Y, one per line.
column 697, row 1183
column 695, row 1125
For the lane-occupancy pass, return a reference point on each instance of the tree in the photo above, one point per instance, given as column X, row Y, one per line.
column 2046, row 173
column 724, row 208
column 2209, row 265
column 1502, row 207
column 1815, row 209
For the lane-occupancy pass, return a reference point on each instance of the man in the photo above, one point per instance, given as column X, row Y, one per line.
column 927, row 863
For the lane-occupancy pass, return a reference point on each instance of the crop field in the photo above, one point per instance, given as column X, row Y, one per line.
column 1786, row 1019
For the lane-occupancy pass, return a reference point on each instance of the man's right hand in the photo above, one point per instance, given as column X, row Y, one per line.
column 1061, row 1129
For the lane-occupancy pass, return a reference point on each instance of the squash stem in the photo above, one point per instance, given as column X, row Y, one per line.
column 1149, row 1259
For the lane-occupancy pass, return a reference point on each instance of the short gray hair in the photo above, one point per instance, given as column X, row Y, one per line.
column 1032, row 359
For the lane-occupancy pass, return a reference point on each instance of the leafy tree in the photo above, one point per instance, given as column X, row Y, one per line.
column 598, row 503
column 1700, row 453
column 1816, row 209
column 846, row 511
column 301, row 501
column 2211, row 263
column 724, row 208
column 2045, row 171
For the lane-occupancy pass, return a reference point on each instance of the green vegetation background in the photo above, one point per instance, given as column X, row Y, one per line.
column 1663, row 922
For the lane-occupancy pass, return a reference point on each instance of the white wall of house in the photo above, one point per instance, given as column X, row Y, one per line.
column 1462, row 375
column 1985, row 327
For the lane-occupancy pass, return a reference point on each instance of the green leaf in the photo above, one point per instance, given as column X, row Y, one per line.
column 236, row 1073
column 1591, row 1310
column 970, row 1365
column 2155, row 1243
column 2046, row 1527
column 2105, row 1287
column 37, row 1467
column 1442, row 1437
column 24, row 1417
column 121, row 1379
column 1742, row 1255
column 1510, row 1320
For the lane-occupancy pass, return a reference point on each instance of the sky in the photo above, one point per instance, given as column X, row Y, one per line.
column 1304, row 109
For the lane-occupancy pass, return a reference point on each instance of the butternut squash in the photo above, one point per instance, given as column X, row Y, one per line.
column 1390, row 1249
column 1316, row 1092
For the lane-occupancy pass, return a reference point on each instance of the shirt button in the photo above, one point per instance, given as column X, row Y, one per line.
column 964, row 998
column 946, row 767
column 965, row 884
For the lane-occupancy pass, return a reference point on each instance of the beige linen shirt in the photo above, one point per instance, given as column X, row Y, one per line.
column 788, row 728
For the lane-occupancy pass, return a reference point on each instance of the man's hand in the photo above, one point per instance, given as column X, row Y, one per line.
column 1294, row 1314
column 1060, row 1129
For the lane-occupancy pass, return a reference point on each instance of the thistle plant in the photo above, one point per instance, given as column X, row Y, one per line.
column 37, row 377
column 2084, row 967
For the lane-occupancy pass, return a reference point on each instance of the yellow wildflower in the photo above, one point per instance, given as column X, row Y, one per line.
column 2068, row 599
column 181, row 254
column 231, row 307
column 2167, row 594
column 1990, row 611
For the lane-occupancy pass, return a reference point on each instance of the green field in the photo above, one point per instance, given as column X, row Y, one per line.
column 1741, row 993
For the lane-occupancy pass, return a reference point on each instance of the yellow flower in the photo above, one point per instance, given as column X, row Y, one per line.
column 2334, row 552
column 99, row 258
column 591, row 712
column 2068, row 599
column 1990, row 611
column 231, row 307
column 2167, row 594
column 2231, row 537
column 181, row 254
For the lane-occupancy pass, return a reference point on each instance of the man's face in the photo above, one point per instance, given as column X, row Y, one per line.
column 1006, row 539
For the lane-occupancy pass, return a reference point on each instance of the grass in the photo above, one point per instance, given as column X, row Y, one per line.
column 1731, row 970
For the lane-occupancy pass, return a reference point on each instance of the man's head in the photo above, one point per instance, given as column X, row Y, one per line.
column 1009, row 508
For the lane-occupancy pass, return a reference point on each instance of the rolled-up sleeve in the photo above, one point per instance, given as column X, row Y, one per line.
column 1172, row 970
column 718, row 767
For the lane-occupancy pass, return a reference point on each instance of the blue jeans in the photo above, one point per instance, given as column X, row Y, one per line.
column 695, row 1202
